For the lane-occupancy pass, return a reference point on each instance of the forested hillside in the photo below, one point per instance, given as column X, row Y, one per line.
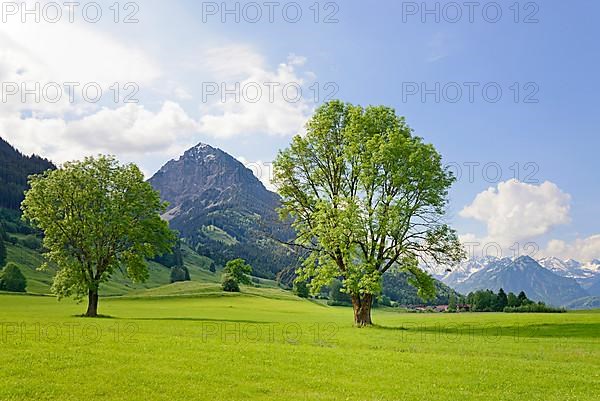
column 14, row 170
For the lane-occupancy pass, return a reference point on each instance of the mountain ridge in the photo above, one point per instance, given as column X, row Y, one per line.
column 523, row 274
column 586, row 275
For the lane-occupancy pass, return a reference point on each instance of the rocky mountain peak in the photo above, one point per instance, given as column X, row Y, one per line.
column 525, row 259
column 222, row 210
column 207, row 174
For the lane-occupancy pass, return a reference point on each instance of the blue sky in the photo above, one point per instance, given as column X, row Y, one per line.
column 374, row 54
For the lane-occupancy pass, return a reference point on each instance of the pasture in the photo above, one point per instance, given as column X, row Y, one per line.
column 190, row 341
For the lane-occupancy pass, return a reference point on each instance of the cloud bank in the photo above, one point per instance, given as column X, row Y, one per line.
column 517, row 215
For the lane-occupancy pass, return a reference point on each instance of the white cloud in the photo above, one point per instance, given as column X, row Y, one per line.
column 294, row 59
column 71, row 52
column 231, row 62
column 182, row 94
column 82, row 52
column 261, row 170
column 517, row 215
column 74, row 53
column 516, row 211
column 132, row 128
column 128, row 130
column 582, row 249
column 270, row 102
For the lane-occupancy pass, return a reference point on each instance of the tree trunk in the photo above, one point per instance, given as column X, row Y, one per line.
column 92, row 310
column 362, row 309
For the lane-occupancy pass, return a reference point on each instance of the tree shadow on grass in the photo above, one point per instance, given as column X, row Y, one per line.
column 545, row 330
column 195, row 319
column 96, row 317
column 382, row 327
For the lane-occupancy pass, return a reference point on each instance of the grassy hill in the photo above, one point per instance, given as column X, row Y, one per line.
column 39, row 282
column 265, row 344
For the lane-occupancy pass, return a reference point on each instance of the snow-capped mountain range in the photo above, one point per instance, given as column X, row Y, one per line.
column 584, row 273
column 549, row 279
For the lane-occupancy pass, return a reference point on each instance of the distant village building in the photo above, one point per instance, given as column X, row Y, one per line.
column 438, row 308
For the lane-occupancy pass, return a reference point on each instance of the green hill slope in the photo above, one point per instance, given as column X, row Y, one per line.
column 39, row 282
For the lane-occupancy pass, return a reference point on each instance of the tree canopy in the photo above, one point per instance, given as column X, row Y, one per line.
column 488, row 301
column 12, row 279
column 301, row 289
column 97, row 216
column 365, row 195
column 238, row 270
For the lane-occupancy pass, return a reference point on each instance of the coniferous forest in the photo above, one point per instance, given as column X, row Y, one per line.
column 14, row 170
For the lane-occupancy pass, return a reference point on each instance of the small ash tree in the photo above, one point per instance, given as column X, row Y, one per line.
column 97, row 216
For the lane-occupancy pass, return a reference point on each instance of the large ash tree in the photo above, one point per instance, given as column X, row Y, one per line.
column 97, row 216
column 365, row 196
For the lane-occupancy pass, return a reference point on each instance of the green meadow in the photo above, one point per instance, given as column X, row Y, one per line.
column 190, row 341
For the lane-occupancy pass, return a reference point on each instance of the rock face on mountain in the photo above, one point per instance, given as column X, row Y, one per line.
column 460, row 273
column 523, row 274
column 223, row 211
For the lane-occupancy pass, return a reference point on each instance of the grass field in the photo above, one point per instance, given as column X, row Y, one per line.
column 189, row 341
